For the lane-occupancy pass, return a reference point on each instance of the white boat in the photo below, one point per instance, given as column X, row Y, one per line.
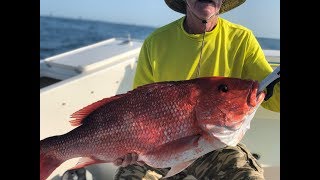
column 77, row 78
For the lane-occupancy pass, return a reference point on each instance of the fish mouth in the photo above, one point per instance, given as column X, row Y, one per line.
column 255, row 98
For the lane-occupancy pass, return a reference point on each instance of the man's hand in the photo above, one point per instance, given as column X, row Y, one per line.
column 128, row 159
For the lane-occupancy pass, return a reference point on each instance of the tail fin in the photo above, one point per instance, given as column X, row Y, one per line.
column 48, row 161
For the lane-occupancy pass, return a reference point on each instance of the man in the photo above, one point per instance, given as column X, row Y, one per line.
column 197, row 45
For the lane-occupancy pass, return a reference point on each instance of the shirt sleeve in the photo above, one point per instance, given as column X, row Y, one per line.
column 144, row 73
column 257, row 68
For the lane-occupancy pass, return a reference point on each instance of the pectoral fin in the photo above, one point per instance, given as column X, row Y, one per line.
column 178, row 168
column 86, row 161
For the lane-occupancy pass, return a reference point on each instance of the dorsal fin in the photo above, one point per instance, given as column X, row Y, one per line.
column 84, row 112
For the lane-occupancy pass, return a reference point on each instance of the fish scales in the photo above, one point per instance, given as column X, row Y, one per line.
column 165, row 123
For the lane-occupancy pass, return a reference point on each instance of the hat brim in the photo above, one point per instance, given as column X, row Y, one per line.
column 180, row 5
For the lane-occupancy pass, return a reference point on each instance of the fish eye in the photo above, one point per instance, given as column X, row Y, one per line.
column 223, row 88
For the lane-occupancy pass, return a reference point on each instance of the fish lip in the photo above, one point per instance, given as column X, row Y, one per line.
column 254, row 98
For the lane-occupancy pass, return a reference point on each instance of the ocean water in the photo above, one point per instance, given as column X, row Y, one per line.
column 58, row 35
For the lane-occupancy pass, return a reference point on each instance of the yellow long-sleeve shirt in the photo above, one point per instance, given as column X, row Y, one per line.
column 230, row 50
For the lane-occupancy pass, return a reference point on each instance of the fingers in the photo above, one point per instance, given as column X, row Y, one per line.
column 140, row 163
column 118, row 162
column 128, row 159
column 134, row 157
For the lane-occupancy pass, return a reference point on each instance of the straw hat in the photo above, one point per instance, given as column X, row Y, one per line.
column 180, row 5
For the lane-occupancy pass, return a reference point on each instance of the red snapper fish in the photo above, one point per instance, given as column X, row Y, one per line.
column 168, row 124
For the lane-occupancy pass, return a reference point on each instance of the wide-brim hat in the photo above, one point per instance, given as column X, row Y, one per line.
column 180, row 5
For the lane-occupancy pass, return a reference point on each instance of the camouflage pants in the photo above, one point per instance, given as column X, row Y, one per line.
column 229, row 163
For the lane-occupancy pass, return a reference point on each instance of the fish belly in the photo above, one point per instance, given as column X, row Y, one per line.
column 172, row 155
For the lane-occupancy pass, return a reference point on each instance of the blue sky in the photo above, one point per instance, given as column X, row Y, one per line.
column 261, row 16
